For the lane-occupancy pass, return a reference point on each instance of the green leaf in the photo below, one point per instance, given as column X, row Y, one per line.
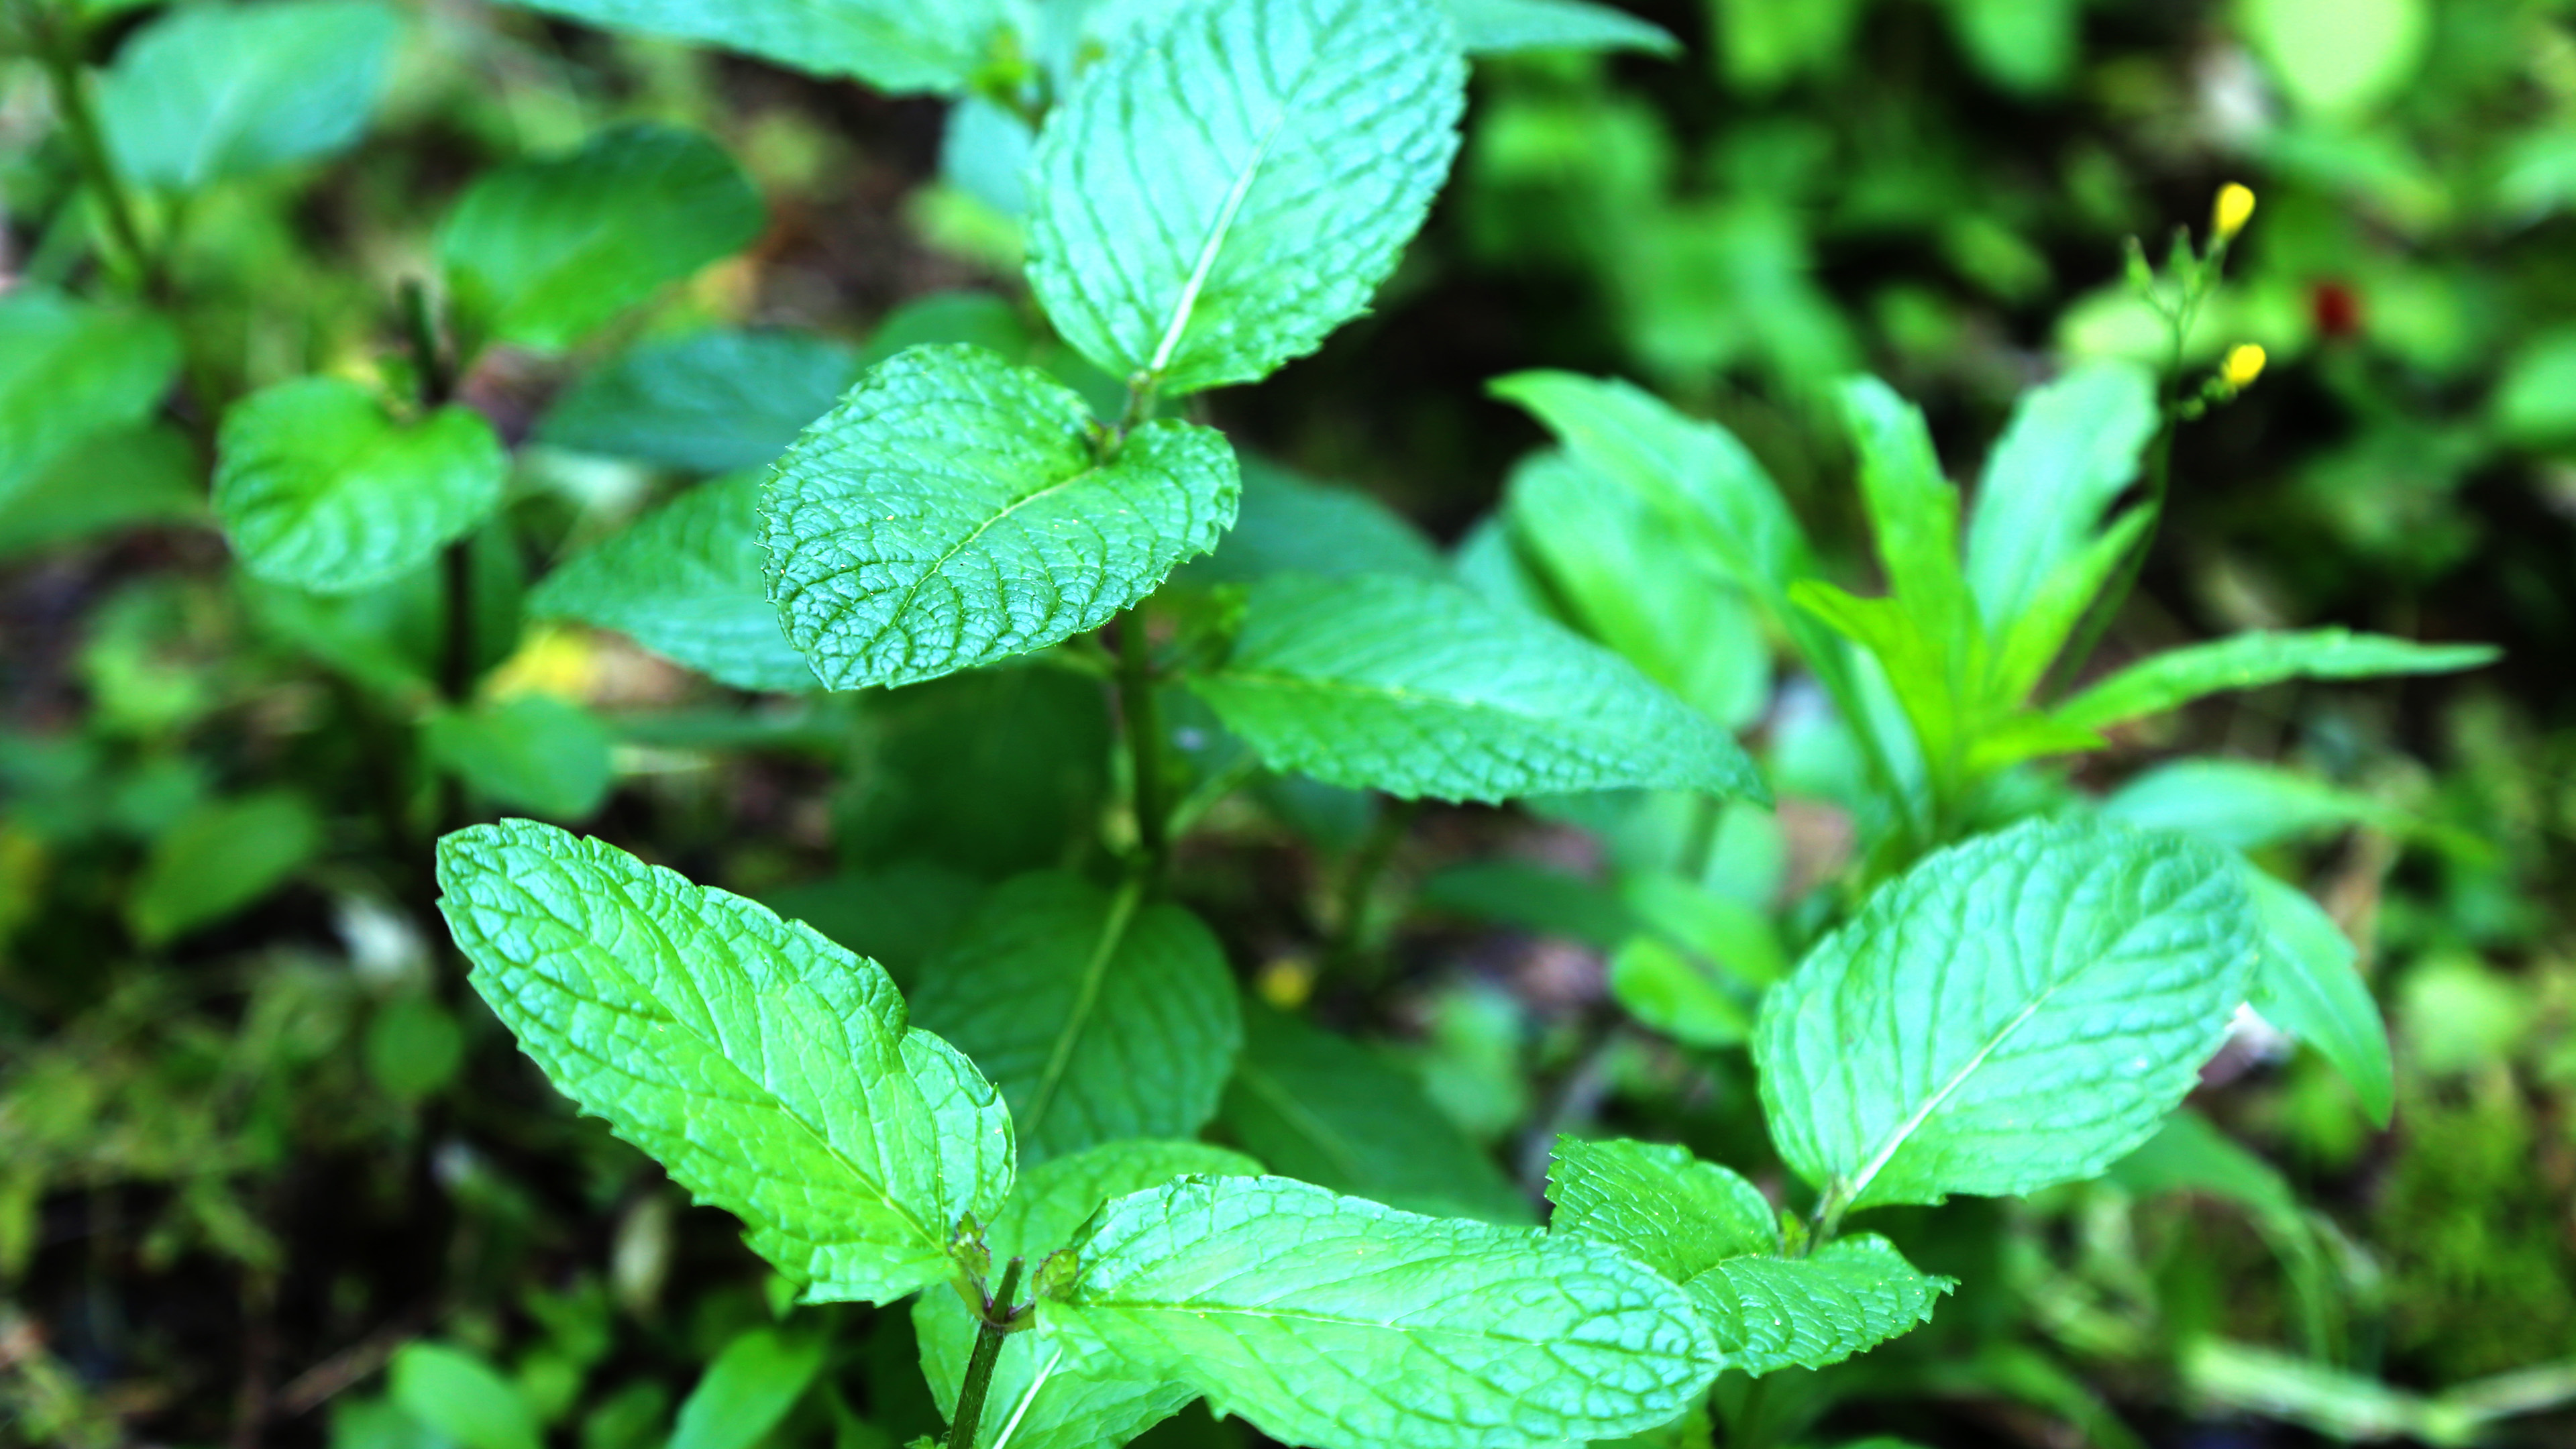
column 2535, row 399
column 218, row 859
column 532, row 752
column 463, row 1398
column 711, row 402
column 952, row 512
column 2240, row 804
column 2308, row 986
column 318, row 487
column 1667, row 991
column 1764, row 43
column 2070, row 450
column 897, row 46
column 544, row 251
column 1336, row 1322
column 1914, row 514
column 989, row 772
column 1625, row 579
column 1714, row 1234
column 1291, row 526
column 769, row 1070
column 108, row 481
column 70, row 371
column 2013, row 1012
column 1036, row 1396
column 899, row 917
column 685, row 581
column 1098, row 1017
column 205, row 93
column 747, row 1390
column 2190, row 1155
column 1422, row 689
column 2339, row 57
column 2250, row 661
column 1500, row 27
column 1317, row 1107
column 1229, row 186
column 2022, row 45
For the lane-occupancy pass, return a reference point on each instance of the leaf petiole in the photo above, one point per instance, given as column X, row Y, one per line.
column 995, row 1326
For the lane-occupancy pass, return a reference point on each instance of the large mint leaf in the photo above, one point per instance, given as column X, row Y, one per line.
column 1231, row 184
column 952, row 511
column 2250, row 661
column 543, row 251
column 1038, row 1398
column 2013, row 1012
column 320, row 488
column 685, row 581
column 1420, row 688
column 893, row 45
column 1336, row 1322
column 1099, row 1016
column 1501, row 27
column 769, row 1070
column 1323, row 1109
column 1711, row 1232
column 207, row 92
column 2070, row 449
column 711, row 402
column 70, row 371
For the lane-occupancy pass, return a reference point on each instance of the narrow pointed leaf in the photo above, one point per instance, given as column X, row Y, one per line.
column 2241, row 804
column 320, row 488
column 208, row 92
column 1232, row 183
column 2013, row 1012
column 1336, row 1322
column 711, row 402
column 769, row 1070
column 1098, row 1016
column 952, row 512
column 544, row 251
column 2070, row 449
column 685, row 581
column 2250, row 661
column 1422, row 689
column 1037, row 1396
column 2309, row 986
column 894, row 45
column 1502, row 27
column 1913, row 510
column 750, row 1387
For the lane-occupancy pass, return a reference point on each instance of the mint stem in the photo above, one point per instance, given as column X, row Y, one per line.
column 979, row 1367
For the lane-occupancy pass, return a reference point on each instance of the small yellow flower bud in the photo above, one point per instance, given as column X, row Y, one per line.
column 2235, row 208
column 2244, row 364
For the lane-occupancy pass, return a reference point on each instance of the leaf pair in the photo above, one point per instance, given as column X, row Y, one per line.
column 776, row 1075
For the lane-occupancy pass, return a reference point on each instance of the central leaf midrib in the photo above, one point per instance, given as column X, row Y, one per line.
column 1095, row 973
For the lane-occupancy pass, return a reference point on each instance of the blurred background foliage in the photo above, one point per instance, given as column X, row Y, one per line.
column 256, row 1143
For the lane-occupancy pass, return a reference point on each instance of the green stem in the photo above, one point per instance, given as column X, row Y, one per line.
column 1142, row 719
column 1748, row 1431
column 58, row 47
column 1700, row 844
column 979, row 1367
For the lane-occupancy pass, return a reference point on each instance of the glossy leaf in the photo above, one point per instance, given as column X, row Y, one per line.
column 1422, row 689
column 952, row 511
column 1323, row 1109
column 2070, row 449
column 1232, row 183
column 747, row 1390
column 2309, row 986
column 542, row 252
column 2250, row 661
column 534, row 753
column 1098, row 1017
column 209, row 92
column 1501, row 27
column 1711, row 1232
column 685, row 581
column 70, row 371
column 770, row 1071
column 1336, row 1322
column 1037, row 1397
column 711, row 402
column 893, row 45
column 320, row 488
column 2016, row 1011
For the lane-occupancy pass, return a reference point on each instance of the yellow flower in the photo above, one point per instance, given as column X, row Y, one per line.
column 2244, row 364
column 552, row 660
column 2235, row 208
